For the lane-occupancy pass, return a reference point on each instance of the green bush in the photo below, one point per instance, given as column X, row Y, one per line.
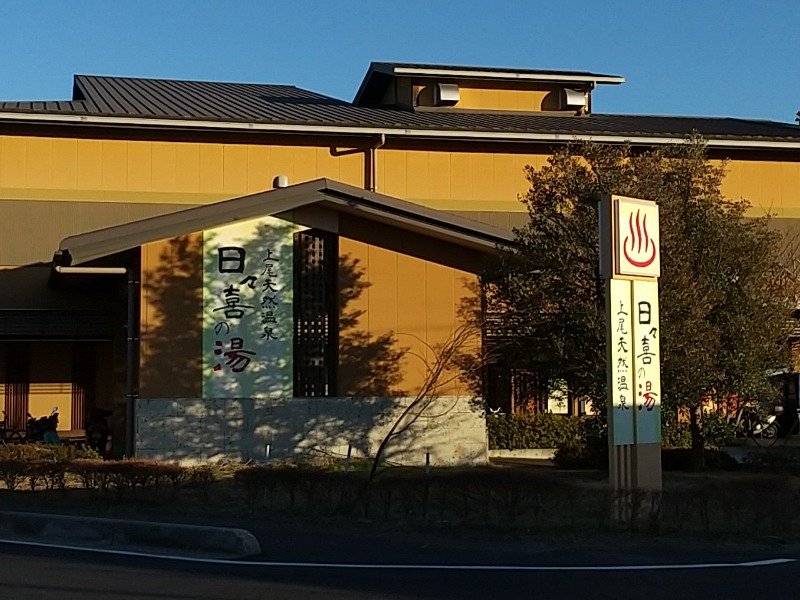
column 529, row 430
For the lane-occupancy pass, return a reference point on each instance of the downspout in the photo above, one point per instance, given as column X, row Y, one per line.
column 130, row 340
column 130, row 365
column 373, row 162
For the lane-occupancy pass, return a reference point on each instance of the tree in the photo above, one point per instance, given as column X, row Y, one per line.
column 725, row 291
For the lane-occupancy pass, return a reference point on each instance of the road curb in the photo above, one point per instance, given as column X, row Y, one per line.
column 123, row 534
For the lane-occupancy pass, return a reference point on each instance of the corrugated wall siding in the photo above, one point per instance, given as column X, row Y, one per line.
column 32, row 229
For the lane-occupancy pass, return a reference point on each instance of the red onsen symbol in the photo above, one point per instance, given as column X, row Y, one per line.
column 637, row 238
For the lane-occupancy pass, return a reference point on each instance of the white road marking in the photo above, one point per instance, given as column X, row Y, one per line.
column 405, row 567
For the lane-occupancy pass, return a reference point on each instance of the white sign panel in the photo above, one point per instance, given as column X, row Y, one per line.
column 637, row 248
column 619, row 313
column 248, row 319
column 647, row 362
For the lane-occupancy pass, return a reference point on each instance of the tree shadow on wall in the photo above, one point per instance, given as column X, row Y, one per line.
column 368, row 366
column 184, row 414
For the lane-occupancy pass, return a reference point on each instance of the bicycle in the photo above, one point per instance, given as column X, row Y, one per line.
column 752, row 424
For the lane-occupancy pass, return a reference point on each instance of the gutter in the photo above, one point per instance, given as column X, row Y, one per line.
column 530, row 137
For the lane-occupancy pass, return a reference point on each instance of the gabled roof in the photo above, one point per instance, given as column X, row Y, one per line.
column 135, row 102
column 321, row 193
column 380, row 73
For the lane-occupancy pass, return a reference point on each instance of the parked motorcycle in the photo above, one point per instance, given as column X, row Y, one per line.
column 43, row 429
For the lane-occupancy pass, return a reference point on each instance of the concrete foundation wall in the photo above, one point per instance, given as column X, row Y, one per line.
column 191, row 430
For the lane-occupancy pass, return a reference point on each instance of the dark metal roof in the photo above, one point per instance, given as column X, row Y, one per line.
column 288, row 105
column 402, row 215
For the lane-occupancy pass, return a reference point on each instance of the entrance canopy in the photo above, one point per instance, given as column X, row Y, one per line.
column 324, row 204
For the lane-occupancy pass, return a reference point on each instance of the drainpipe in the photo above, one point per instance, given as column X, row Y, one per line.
column 130, row 340
column 373, row 162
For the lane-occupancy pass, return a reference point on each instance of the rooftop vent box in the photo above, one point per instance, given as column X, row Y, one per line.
column 572, row 99
column 445, row 94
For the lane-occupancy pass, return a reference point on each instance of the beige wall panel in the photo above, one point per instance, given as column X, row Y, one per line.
column 258, row 169
column 38, row 162
column 417, row 187
column 234, row 170
column 115, row 165
column 211, row 170
column 12, row 165
column 90, row 164
column 64, row 164
column 171, row 315
column 164, row 166
column 392, row 173
column 187, row 168
column 140, row 167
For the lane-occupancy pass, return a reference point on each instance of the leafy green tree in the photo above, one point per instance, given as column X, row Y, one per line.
column 725, row 291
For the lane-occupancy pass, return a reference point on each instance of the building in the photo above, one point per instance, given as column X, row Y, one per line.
column 128, row 211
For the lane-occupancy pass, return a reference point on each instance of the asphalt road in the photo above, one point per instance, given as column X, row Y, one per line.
column 412, row 568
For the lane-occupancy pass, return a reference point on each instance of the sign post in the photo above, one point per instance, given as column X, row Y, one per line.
column 630, row 262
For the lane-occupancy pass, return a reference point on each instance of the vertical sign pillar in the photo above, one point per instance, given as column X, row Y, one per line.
column 630, row 262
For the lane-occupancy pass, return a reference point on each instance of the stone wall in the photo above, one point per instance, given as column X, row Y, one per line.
column 191, row 430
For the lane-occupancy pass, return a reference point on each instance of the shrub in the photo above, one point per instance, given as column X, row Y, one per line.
column 534, row 430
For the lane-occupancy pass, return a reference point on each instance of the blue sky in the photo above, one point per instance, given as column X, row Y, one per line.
column 736, row 58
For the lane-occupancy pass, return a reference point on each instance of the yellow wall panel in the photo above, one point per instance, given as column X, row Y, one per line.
column 282, row 162
column 258, row 169
column 115, row 165
column 65, row 163
column 90, row 164
column 732, row 183
column 211, row 168
column 751, row 181
column 392, row 173
column 439, row 303
column 305, row 164
column 439, row 175
column 140, row 166
column 503, row 177
column 12, row 166
column 382, row 300
column 460, row 176
column 163, row 167
column 234, row 170
column 770, row 174
column 187, row 168
column 411, row 318
column 351, row 168
column 417, row 169
column 38, row 162
column 790, row 187
column 482, row 180
column 327, row 164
